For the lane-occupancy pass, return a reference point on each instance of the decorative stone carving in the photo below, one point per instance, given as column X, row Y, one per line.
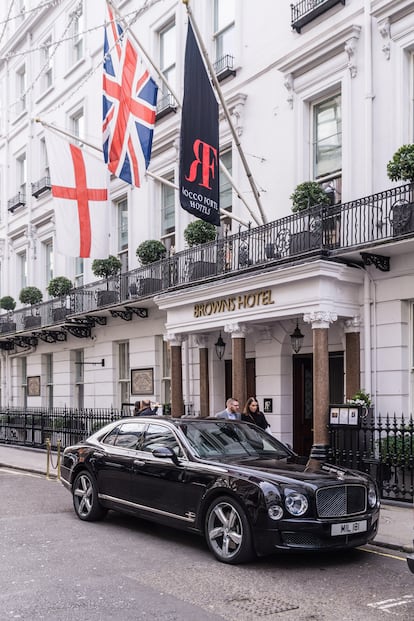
column 201, row 340
column 288, row 84
column 350, row 49
column 236, row 330
column 320, row 319
column 175, row 340
column 384, row 28
column 353, row 325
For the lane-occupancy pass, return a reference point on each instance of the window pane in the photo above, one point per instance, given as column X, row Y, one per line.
column 122, row 225
column 224, row 12
column 328, row 137
column 167, row 209
column 225, row 185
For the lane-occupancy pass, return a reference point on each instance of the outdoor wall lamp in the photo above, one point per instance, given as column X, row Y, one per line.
column 296, row 339
column 220, row 346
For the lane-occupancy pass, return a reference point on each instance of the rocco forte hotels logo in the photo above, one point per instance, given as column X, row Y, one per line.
column 233, row 303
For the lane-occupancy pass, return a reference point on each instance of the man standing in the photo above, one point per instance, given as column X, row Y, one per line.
column 232, row 410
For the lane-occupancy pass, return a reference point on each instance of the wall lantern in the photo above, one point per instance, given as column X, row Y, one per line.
column 220, row 346
column 296, row 339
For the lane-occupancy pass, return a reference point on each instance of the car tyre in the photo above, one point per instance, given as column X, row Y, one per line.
column 85, row 498
column 228, row 531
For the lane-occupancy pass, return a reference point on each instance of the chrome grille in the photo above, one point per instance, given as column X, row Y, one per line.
column 341, row 501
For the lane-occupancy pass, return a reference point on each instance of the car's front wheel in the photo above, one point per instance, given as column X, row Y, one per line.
column 85, row 498
column 228, row 531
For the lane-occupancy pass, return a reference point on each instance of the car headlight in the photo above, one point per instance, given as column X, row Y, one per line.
column 296, row 503
column 275, row 512
column 372, row 495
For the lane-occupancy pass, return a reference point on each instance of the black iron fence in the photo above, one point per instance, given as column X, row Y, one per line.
column 384, row 448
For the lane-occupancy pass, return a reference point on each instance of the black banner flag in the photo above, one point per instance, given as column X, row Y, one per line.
column 199, row 144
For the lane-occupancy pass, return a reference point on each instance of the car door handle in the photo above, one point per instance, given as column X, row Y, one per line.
column 139, row 462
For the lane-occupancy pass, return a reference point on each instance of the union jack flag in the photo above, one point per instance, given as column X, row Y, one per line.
column 129, row 104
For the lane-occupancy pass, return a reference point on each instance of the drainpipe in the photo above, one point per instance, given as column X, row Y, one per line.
column 367, row 334
column 369, row 97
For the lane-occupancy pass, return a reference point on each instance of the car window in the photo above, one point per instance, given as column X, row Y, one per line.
column 126, row 435
column 157, row 436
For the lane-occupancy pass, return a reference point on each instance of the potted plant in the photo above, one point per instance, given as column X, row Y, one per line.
column 59, row 287
column 148, row 252
column 363, row 399
column 306, row 195
column 198, row 233
column 32, row 296
column 8, row 304
column 106, row 268
column 401, row 168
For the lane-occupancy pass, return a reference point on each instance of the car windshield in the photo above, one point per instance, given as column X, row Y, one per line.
column 226, row 439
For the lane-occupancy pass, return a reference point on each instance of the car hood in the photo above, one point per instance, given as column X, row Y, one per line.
column 294, row 470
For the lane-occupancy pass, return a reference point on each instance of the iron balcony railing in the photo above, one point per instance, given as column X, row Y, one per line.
column 305, row 11
column 41, row 186
column 19, row 200
column 322, row 231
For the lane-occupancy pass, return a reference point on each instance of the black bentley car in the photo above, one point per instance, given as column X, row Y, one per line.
column 236, row 485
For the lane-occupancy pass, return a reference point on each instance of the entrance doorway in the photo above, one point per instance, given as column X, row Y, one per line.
column 250, row 379
column 303, row 396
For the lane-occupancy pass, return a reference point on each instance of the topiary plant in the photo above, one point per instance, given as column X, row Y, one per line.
column 59, row 286
column 199, row 232
column 7, row 303
column 150, row 250
column 401, row 167
column 30, row 295
column 308, row 194
column 105, row 268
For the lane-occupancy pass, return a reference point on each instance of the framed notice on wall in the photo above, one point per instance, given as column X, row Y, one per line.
column 33, row 386
column 345, row 415
column 142, row 381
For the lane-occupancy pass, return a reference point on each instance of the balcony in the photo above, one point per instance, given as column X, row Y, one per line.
column 344, row 232
column 165, row 105
column 306, row 11
column 41, row 186
column 17, row 201
column 224, row 67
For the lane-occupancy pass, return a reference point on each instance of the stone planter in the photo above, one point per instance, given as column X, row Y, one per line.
column 32, row 321
column 7, row 326
column 105, row 298
column 59, row 314
column 147, row 286
column 201, row 269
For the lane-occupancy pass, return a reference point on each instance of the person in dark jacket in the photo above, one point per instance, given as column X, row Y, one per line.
column 146, row 409
column 252, row 414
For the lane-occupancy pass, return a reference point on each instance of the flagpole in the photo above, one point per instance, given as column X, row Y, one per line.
column 59, row 130
column 226, row 112
column 179, row 105
column 143, row 50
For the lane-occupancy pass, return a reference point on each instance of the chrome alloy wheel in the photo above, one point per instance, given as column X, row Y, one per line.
column 228, row 532
column 83, row 495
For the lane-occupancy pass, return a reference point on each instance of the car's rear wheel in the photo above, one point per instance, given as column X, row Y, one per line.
column 228, row 531
column 85, row 498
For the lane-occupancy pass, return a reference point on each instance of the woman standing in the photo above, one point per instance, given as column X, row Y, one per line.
column 252, row 414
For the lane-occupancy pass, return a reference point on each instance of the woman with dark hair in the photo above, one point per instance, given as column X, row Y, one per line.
column 252, row 414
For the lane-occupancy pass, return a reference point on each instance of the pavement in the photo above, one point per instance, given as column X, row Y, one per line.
column 396, row 527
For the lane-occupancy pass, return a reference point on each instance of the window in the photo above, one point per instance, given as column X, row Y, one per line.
column 123, row 372
column 168, row 56
column 166, row 372
column 224, row 18
column 48, row 260
column 168, row 214
column 76, row 36
column 327, row 138
column 79, row 379
column 158, row 436
column 21, row 90
column 23, row 376
column 77, row 124
column 45, row 63
column 44, row 163
column 21, row 175
column 127, row 435
column 79, row 268
column 21, row 269
column 226, row 190
column 48, row 366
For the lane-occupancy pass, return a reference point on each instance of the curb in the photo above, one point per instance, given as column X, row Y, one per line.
column 52, row 475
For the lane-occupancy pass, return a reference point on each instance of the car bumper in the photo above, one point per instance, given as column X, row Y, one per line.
column 314, row 535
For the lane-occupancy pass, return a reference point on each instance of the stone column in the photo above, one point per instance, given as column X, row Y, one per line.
column 202, row 342
column 177, row 400
column 320, row 321
column 238, row 349
column 352, row 356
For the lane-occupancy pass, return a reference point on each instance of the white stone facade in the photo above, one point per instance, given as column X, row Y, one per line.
column 360, row 52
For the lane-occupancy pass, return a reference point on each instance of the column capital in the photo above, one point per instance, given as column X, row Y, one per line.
column 175, row 340
column 202, row 340
column 353, row 324
column 320, row 319
column 236, row 330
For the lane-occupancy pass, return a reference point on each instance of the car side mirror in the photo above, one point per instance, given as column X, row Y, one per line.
column 165, row 452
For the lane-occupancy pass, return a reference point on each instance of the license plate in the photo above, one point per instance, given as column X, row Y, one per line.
column 349, row 528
